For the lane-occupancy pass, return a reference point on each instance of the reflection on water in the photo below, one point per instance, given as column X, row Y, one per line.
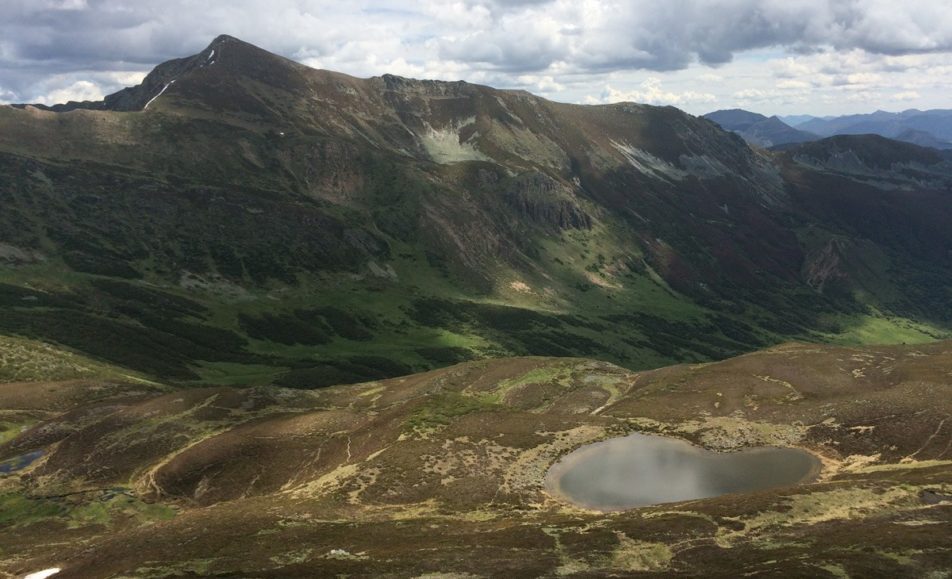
column 20, row 462
column 640, row 470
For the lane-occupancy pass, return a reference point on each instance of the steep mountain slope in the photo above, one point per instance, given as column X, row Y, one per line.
column 759, row 130
column 891, row 201
column 256, row 220
column 443, row 472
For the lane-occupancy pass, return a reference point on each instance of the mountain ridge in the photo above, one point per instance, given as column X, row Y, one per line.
column 138, row 97
column 758, row 129
column 931, row 128
column 322, row 228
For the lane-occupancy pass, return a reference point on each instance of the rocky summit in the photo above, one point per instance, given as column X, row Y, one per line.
column 262, row 320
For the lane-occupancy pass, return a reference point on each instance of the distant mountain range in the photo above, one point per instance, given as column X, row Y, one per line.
column 758, row 129
column 937, row 123
column 931, row 128
column 797, row 120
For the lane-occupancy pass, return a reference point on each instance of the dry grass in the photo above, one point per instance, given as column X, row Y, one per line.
column 23, row 360
column 443, row 472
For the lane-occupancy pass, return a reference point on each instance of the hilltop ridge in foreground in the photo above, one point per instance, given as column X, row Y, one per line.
column 443, row 472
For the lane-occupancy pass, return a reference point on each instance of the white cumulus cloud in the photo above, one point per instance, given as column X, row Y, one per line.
column 703, row 53
column 651, row 91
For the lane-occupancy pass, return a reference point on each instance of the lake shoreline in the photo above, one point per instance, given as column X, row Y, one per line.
column 553, row 482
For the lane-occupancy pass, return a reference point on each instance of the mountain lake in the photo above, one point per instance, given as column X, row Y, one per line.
column 640, row 470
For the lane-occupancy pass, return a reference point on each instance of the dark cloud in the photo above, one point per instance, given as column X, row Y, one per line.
column 43, row 40
column 667, row 35
column 48, row 45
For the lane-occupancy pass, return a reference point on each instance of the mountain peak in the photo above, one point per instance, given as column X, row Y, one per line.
column 737, row 119
column 228, row 42
column 758, row 129
column 216, row 45
column 233, row 57
column 223, row 39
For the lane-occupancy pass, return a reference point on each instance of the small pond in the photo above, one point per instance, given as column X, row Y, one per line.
column 640, row 470
column 19, row 463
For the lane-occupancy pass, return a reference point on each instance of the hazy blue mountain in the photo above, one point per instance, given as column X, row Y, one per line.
column 923, row 139
column 937, row 123
column 796, row 120
column 758, row 129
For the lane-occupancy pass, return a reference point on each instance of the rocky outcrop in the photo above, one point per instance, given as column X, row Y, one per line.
column 546, row 201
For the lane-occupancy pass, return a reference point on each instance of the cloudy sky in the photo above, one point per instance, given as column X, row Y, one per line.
column 771, row 56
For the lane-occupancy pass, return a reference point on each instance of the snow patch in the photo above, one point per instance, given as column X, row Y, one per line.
column 44, row 573
column 164, row 88
column 648, row 164
column 210, row 55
